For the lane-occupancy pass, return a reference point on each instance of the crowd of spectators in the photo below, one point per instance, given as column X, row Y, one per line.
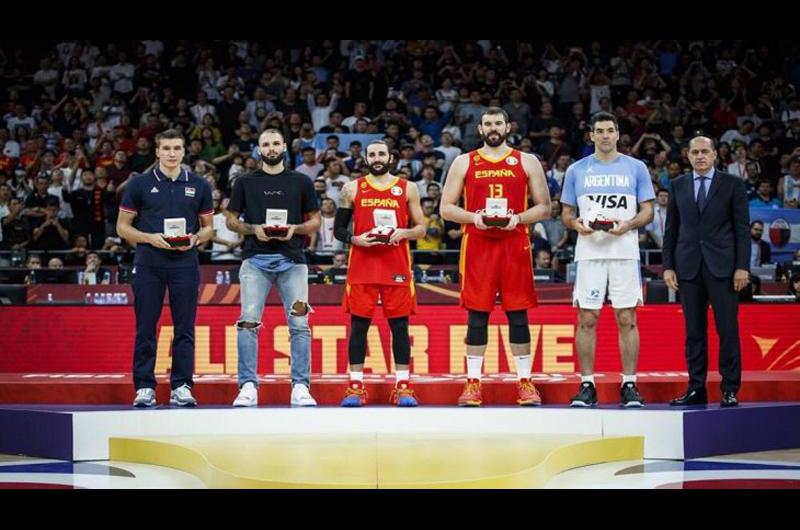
column 78, row 120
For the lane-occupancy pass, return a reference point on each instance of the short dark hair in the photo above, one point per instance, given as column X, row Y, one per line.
column 170, row 134
column 271, row 130
column 52, row 200
column 659, row 190
column 355, row 142
column 603, row 116
column 332, row 137
column 495, row 111
column 757, row 222
column 426, row 199
column 377, row 142
column 308, row 148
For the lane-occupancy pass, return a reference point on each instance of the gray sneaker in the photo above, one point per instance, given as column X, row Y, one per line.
column 145, row 398
column 182, row 397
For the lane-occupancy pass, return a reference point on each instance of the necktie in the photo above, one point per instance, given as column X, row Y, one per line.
column 701, row 194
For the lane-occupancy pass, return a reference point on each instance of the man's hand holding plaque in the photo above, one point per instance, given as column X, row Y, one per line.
column 496, row 214
column 175, row 233
column 276, row 224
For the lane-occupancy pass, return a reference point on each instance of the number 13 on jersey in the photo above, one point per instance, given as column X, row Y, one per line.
column 495, row 191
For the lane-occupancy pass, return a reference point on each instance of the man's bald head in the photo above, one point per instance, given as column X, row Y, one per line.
column 702, row 154
column 702, row 140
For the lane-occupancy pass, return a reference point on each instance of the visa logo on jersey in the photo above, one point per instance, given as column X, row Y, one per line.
column 610, row 200
column 379, row 203
column 492, row 173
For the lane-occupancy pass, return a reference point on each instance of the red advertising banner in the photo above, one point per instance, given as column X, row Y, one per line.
column 92, row 339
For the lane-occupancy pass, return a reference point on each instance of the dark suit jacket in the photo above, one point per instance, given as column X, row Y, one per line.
column 720, row 234
column 766, row 253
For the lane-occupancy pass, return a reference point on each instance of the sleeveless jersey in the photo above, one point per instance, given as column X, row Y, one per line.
column 495, row 179
column 379, row 264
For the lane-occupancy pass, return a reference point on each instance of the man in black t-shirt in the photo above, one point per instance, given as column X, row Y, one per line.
column 278, row 261
column 51, row 234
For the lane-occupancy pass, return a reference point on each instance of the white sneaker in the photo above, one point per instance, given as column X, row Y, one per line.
column 145, row 397
column 248, row 396
column 301, row 397
column 182, row 397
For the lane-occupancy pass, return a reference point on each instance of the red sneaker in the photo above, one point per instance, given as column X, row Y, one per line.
column 528, row 395
column 471, row 396
column 403, row 395
column 355, row 395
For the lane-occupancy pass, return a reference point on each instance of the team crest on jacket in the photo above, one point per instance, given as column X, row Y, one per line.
column 397, row 191
column 189, row 192
column 512, row 161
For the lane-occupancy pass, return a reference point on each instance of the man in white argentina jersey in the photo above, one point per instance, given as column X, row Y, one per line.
column 606, row 197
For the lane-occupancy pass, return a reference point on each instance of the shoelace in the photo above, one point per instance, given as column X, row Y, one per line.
column 142, row 392
column 355, row 391
column 472, row 388
column 631, row 388
column 405, row 391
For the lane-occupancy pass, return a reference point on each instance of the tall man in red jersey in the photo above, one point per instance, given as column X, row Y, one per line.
column 381, row 205
column 496, row 259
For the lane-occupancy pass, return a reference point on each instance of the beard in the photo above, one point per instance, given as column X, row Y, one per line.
column 494, row 138
column 378, row 168
column 273, row 161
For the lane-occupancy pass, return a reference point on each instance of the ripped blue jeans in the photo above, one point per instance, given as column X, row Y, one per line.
column 255, row 283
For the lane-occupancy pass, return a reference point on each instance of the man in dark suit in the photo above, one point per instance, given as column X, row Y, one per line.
column 760, row 252
column 707, row 249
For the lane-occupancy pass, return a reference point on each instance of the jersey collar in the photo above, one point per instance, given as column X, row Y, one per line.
column 184, row 176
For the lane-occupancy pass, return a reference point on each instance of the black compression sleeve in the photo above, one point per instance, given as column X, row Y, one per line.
column 340, row 224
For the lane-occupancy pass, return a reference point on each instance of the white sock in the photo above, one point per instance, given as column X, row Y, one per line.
column 523, row 366
column 400, row 375
column 357, row 376
column 628, row 379
column 587, row 379
column 474, row 367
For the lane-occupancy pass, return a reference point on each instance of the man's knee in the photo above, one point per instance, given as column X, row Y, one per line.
column 587, row 319
column 477, row 331
column 518, row 330
column 300, row 308
column 247, row 324
column 626, row 318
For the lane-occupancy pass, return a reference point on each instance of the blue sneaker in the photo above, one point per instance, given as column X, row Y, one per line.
column 403, row 396
column 355, row 395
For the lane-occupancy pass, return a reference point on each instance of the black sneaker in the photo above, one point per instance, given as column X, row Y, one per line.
column 630, row 397
column 586, row 396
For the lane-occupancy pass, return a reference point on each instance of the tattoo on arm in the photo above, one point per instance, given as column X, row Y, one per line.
column 346, row 196
column 235, row 225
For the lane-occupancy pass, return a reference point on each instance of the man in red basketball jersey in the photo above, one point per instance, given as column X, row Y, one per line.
column 495, row 182
column 381, row 206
